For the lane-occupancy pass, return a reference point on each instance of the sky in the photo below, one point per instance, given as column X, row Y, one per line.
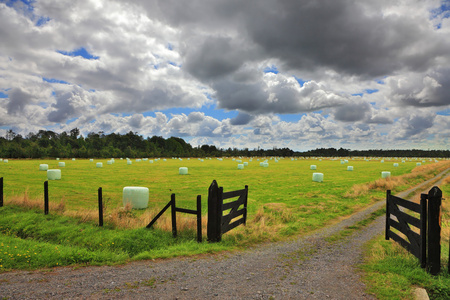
column 302, row 74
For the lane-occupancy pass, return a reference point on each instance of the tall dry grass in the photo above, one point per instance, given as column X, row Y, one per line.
column 26, row 202
column 119, row 217
column 390, row 183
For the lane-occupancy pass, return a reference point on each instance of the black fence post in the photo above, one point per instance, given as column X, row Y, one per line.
column 245, row 204
column 100, row 207
column 46, row 197
column 434, row 230
column 423, row 230
column 199, row 218
column 388, row 215
column 174, row 216
column 1, row 191
column 214, row 213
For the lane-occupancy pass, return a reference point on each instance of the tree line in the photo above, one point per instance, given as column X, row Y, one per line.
column 71, row 144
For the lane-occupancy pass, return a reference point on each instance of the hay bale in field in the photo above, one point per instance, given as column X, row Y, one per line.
column 385, row 174
column 61, row 164
column 245, row 163
column 183, row 171
column 99, row 165
column 137, row 196
column 349, row 168
column 129, row 162
column 317, row 177
column 54, row 174
column 313, row 167
column 395, row 164
column 43, row 167
column 240, row 166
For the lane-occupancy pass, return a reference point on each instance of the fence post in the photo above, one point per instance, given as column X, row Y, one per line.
column 199, row 218
column 46, row 197
column 245, row 204
column 174, row 215
column 434, row 230
column 214, row 213
column 423, row 230
column 1, row 191
column 388, row 215
column 100, row 207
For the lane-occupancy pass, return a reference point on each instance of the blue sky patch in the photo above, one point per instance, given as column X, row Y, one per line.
column 370, row 91
column 272, row 69
column 53, row 80
column 445, row 112
column 79, row 52
column 300, row 81
column 3, row 95
column 291, row 118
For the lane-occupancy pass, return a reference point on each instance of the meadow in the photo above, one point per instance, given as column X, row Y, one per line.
column 283, row 203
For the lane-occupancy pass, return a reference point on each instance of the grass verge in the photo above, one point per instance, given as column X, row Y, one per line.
column 392, row 273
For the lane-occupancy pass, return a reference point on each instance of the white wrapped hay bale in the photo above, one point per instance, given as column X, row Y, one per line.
column 385, row 174
column 5, row 161
column 317, row 177
column 137, row 196
column 57, row 158
column 261, row 164
column 43, row 167
column 61, row 164
column 73, row 159
column 418, row 164
column 240, row 166
column 150, row 161
column 395, row 164
column 99, row 165
column 54, row 174
column 129, row 162
column 265, row 164
column 109, row 162
column 183, row 171
column 313, row 167
column 245, row 163
column 91, row 160
column 349, row 168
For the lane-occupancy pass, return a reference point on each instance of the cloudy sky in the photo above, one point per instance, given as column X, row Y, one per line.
column 303, row 74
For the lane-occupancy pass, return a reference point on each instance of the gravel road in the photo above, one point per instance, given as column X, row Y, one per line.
column 307, row 268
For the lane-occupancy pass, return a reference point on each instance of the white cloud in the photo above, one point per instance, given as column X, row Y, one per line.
column 156, row 55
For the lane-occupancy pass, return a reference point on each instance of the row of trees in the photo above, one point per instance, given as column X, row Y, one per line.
column 98, row 145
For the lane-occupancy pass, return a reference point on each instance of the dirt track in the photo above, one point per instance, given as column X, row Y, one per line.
column 307, row 268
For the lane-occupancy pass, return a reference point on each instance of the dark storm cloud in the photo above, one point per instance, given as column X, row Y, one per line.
column 214, row 57
column 241, row 119
column 352, row 112
column 433, row 89
column 18, row 99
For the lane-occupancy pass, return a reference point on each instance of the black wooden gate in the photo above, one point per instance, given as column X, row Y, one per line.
column 218, row 223
column 415, row 243
column 428, row 223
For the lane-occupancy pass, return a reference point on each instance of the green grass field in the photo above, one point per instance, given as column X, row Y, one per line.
column 283, row 202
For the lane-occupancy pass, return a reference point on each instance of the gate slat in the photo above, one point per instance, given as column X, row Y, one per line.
column 237, row 203
column 233, row 214
column 411, row 234
column 404, row 216
column 406, row 204
column 232, row 194
column 232, row 225
column 403, row 243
